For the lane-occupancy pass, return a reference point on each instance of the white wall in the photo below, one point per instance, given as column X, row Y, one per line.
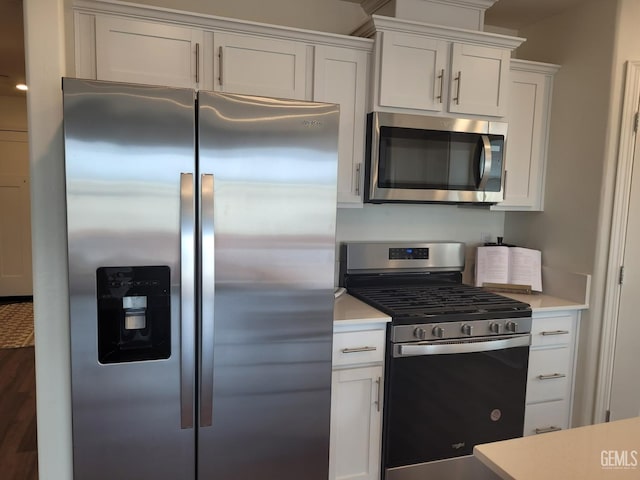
column 45, row 52
column 572, row 231
column 334, row 16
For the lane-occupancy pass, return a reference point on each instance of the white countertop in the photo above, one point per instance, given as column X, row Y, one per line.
column 597, row 452
column 350, row 310
column 540, row 302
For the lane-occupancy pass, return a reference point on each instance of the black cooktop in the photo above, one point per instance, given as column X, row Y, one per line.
column 439, row 303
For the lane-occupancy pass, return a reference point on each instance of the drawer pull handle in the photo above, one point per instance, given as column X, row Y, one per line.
column 359, row 349
column 555, row 332
column 551, row 376
column 547, row 429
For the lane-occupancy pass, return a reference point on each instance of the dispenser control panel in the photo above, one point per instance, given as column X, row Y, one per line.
column 134, row 313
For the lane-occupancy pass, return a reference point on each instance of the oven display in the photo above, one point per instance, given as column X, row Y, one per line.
column 408, row 254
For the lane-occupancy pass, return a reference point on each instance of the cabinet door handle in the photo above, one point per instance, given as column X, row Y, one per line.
column 458, row 79
column 358, row 169
column 378, row 401
column 359, row 349
column 555, row 332
column 552, row 428
column 441, row 77
column 551, row 376
column 197, row 63
column 220, row 65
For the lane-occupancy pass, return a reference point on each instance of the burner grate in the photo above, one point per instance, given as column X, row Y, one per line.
column 421, row 301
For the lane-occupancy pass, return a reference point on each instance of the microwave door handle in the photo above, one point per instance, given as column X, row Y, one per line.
column 486, row 165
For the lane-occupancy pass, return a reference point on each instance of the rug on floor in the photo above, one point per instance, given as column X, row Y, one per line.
column 16, row 325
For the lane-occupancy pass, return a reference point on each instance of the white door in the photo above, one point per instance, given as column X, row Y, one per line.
column 625, row 387
column 15, row 218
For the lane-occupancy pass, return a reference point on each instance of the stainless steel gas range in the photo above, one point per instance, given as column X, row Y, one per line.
column 456, row 361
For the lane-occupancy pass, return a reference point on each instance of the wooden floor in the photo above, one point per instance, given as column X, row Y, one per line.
column 18, row 446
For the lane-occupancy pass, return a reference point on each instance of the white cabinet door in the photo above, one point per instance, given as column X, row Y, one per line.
column 413, row 71
column 479, row 77
column 356, row 425
column 150, row 53
column 340, row 76
column 260, row 66
column 526, row 150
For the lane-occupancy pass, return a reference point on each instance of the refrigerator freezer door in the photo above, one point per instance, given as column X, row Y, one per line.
column 125, row 149
column 274, row 166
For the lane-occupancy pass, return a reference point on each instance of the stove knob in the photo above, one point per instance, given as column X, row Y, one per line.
column 420, row 333
column 495, row 327
column 512, row 327
column 467, row 329
column 438, row 332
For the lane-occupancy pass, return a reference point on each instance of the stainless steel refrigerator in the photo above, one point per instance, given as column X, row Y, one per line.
column 201, row 243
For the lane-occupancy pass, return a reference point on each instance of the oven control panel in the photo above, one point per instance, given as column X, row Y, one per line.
column 408, row 253
column 460, row 330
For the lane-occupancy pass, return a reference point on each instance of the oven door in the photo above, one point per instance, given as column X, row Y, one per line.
column 445, row 397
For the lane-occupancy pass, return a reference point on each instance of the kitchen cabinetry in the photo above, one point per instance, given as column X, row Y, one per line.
column 356, row 402
column 531, row 85
column 340, row 76
column 137, row 44
column 441, row 70
column 551, row 371
column 260, row 66
column 146, row 52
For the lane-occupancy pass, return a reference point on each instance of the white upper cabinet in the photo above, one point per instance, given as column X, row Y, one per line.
column 340, row 76
column 414, row 71
column 260, row 66
column 145, row 52
column 421, row 68
column 139, row 44
column 480, row 80
column 531, row 85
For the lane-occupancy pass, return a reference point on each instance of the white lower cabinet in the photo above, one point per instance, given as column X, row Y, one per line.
column 551, row 371
column 356, row 405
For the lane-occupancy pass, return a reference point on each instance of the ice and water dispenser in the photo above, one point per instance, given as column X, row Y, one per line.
column 134, row 313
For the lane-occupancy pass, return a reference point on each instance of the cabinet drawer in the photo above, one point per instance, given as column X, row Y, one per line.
column 549, row 374
column 555, row 330
column 546, row 417
column 352, row 348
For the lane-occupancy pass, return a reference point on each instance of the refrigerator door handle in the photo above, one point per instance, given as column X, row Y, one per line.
column 187, row 299
column 207, row 296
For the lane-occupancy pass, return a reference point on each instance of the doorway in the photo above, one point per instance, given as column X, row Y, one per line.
column 618, row 394
column 18, row 452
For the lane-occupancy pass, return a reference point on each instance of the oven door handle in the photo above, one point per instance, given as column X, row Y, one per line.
column 485, row 344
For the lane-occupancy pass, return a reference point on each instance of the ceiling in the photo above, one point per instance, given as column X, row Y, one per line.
column 511, row 14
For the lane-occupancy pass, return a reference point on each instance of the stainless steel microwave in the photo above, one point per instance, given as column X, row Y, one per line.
column 421, row 159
